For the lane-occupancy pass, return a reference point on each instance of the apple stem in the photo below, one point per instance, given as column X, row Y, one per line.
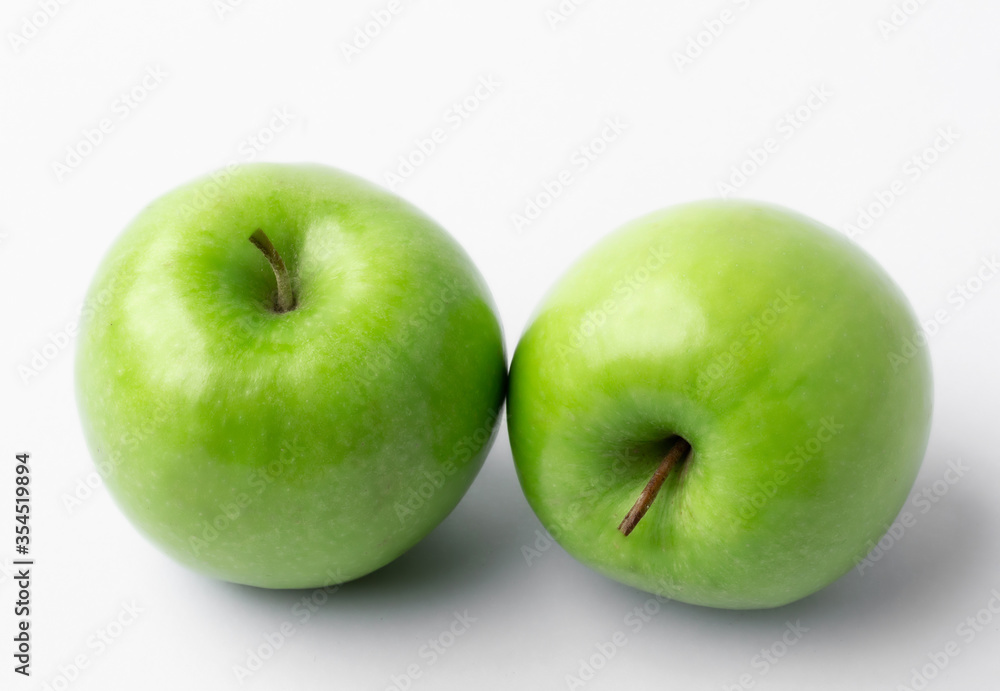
column 676, row 454
column 286, row 297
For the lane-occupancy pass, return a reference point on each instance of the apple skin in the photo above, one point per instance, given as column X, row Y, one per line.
column 769, row 342
column 296, row 449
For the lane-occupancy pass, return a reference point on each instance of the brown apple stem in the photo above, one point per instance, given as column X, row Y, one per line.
column 676, row 454
column 286, row 297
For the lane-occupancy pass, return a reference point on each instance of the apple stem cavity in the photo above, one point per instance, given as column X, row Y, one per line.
column 678, row 452
column 286, row 296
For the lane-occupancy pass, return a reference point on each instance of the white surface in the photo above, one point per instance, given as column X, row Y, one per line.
column 685, row 129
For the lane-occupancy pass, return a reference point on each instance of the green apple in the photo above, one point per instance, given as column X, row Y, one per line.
column 779, row 351
column 296, row 413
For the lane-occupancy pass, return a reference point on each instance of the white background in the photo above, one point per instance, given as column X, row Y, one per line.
column 889, row 93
